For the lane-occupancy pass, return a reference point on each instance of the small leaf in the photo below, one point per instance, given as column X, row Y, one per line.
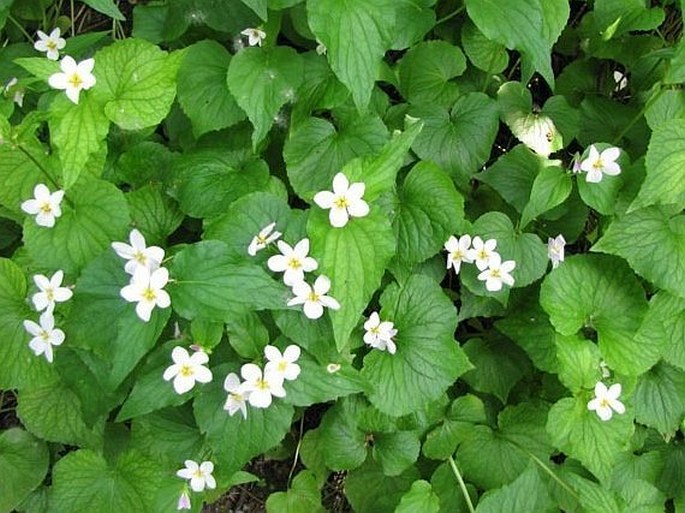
column 551, row 188
column 107, row 7
column 23, row 464
column 420, row 497
column 302, row 497
column 660, row 398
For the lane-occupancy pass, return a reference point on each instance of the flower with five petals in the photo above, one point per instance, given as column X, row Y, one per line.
column 51, row 291
column 482, row 252
column 498, row 272
column 236, row 396
column 74, row 77
column 379, row 334
column 606, row 402
column 458, row 251
column 44, row 205
column 292, row 262
column 255, row 36
column 200, row 475
column 265, row 237
column 314, row 298
column 145, row 289
column 187, row 369
column 345, row 201
column 45, row 335
column 261, row 387
column 283, row 363
column 597, row 164
column 555, row 250
column 51, row 44
column 138, row 254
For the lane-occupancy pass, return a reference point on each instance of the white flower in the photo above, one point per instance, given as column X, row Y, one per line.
column 138, row 254
column 44, row 205
column 597, row 165
column 292, row 262
column 261, row 387
column 621, row 81
column 200, row 475
column 606, row 400
column 458, row 251
column 321, row 48
column 497, row 273
column 283, row 364
column 145, row 288
column 345, row 201
column 74, row 77
column 236, row 397
column 555, row 250
column 184, row 501
column 379, row 334
column 314, row 299
column 187, row 369
column 45, row 335
column 255, row 36
column 263, row 239
column 51, row 291
column 51, row 44
column 482, row 252
column 17, row 94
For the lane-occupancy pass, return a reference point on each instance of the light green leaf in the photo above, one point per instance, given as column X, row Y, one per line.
column 419, row 498
column 427, row 360
column 369, row 490
column 39, row 66
column 107, row 7
column 551, row 188
column 340, row 434
column 209, row 284
column 451, row 497
column 587, row 291
column 368, row 25
column 466, row 411
column 302, row 497
column 660, row 398
column 513, row 175
column 485, row 54
column 669, row 105
column 23, row 464
column 429, row 211
column 664, row 324
column 258, row 6
column 634, row 237
column 262, row 80
column 665, row 163
column 354, row 258
column 154, row 213
column 582, row 435
column 94, row 213
column 579, row 360
column 202, row 90
column 136, row 81
column 526, row 494
column 600, row 196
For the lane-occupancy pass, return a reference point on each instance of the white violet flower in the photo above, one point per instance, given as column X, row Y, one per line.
column 74, row 77
column 555, row 250
column 184, row 501
column 265, row 237
column 482, row 252
column 379, row 334
column 187, row 369
column 497, row 273
column 345, row 201
column 458, row 251
column 599, row 164
column 45, row 335
column 292, row 262
column 621, row 81
column 255, row 36
column 51, row 291
column 200, row 475
column 284, row 363
column 145, row 288
column 16, row 92
column 314, row 298
column 261, row 387
column 51, row 44
column 236, row 397
column 138, row 254
column 606, row 401
column 44, row 205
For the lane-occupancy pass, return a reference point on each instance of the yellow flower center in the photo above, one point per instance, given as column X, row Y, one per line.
column 186, row 371
column 597, row 164
column 149, row 294
column 237, row 397
column 261, row 240
column 375, row 330
column 495, row 273
column 482, row 254
column 51, row 44
column 44, row 335
column 456, row 255
column 198, row 473
column 262, row 384
column 46, row 208
column 294, row 263
column 50, row 294
column 341, row 202
column 314, row 297
column 140, row 258
column 604, row 403
column 75, row 81
column 282, row 365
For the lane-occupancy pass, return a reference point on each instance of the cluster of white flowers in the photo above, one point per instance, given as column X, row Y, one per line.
column 45, row 335
column 597, row 164
column 259, row 386
column 606, row 402
column 494, row 272
column 379, row 334
column 200, row 477
column 44, row 205
column 148, row 277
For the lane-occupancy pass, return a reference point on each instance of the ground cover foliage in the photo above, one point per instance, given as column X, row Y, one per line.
column 430, row 253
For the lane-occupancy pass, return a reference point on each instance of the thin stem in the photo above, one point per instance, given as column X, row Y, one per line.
column 297, row 451
column 450, row 15
column 561, row 483
column 462, row 485
column 73, row 20
column 44, row 171
column 21, row 28
column 639, row 115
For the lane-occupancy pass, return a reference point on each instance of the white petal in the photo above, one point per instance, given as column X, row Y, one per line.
column 183, row 384
column 163, row 299
column 123, row 250
column 277, row 263
column 251, row 372
column 203, row 374
column 594, row 175
column 324, row 199
column 301, row 289
column 340, row 184
column 272, row 353
column 322, row 285
column 452, row 244
column 611, row 169
column 610, row 154
column 309, row 264
column 31, row 206
column 62, row 294
column 40, row 301
column 232, row 382
column 614, row 391
column 171, row 371
column 292, row 353
column 159, row 278
column 313, row 310
column 604, row 413
column 32, row 328
column 301, row 249
column 85, row 67
column 618, row 406
column 144, row 310
column 260, row 399
column 329, row 302
column 210, row 482
column 180, row 355
column 73, row 94
column 338, row 217
column 197, row 483
column 359, row 208
column 600, row 389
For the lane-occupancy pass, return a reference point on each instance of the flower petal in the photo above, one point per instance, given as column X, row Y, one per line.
column 313, row 310
column 324, row 199
column 359, row 208
column 338, row 217
column 340, row 184
column 292, row 353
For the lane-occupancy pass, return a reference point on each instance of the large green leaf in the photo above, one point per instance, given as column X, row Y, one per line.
column 664, row 324
column 464, row 413
column 136, row 81
column 485, row 54
column 660, row 398
column 368, row 25
column 587, row 292
column 23, row 464
column 420, row 497
column 154, row 213
column 635, row 236
column 202, row 90
column 526, row 494
column 94, row 213
column 551, row 188
column 427, row 360
column 262, row 80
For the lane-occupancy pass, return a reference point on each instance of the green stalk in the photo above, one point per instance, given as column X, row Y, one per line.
column 462, row 485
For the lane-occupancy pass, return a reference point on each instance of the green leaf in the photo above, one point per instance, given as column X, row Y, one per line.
column 84, row 481
column 442, row 442
column 136, row 81
column 144, row 163
column 340, row 434
column 154, row 213
column 551, row 188
column 579, row 360
column 427, row 360
column 209, row 284
column 665, row 324
column 202, row 90
column 369, row 25
column 420, row 497
column 526, row 494
column 94, row 213
column 107, row 7
column 413, row 20
column 513, row 175
column 587, row 292
column 459, row 139
column 429, row 211
column 451, row 497
column 258, row 6
column 23, row 464
column 397, row 451
column 666, row 153
column 262, row 80
column 660, row 398
column 485, row 54
column 634, row 237
column 582, row 435
column 354, row 258
column 426, row 70
column 369, row 490
column 39, row 66
column 302, row 497
column 78, row 132
column 600, row 196
column 669, row 105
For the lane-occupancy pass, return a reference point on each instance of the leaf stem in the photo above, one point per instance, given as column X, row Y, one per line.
column 462, row 485
column 450, row 16
column 73, row 20
column 637, row 117
column 21, row 28
column 297, row 451
column 548, row 470
column 47, row 175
